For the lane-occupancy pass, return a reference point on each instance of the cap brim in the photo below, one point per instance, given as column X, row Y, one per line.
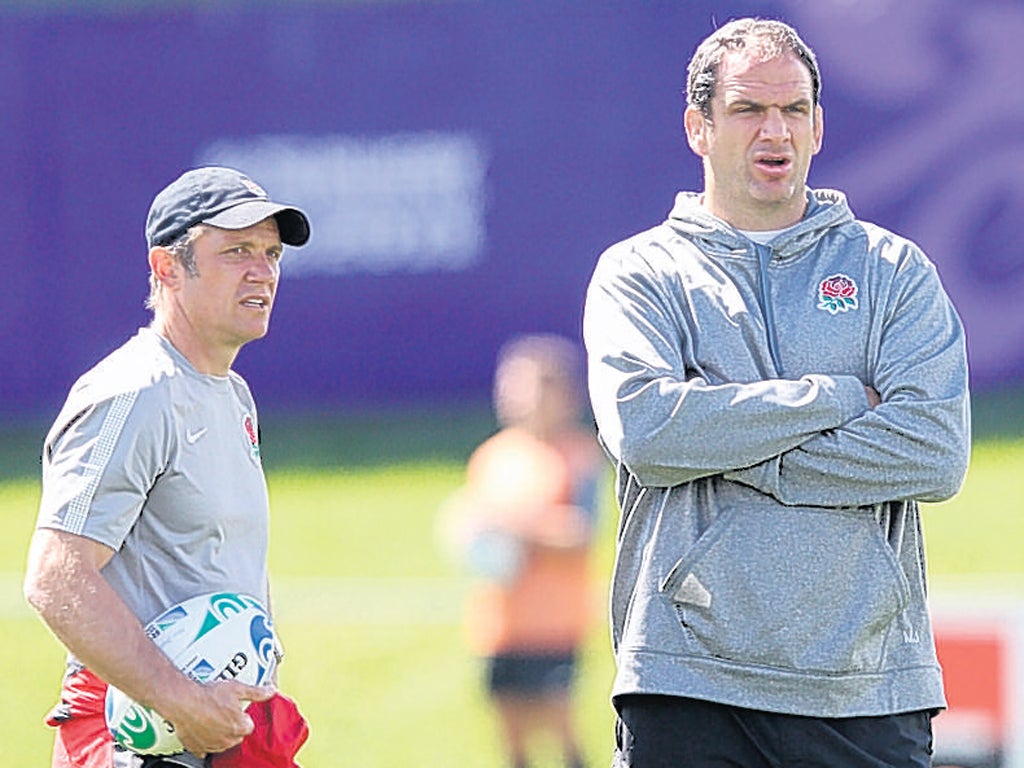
column 292, row 224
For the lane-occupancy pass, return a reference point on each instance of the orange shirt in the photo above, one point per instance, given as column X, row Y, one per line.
column 525, row 487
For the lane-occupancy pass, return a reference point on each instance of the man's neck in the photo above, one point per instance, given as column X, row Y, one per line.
column 191, row 347
column 756, row 218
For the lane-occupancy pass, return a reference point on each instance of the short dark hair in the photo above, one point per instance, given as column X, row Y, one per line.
column 558, row 359
column 767, row 37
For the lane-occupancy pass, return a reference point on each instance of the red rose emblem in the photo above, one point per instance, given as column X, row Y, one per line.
column 838, row 287
column 837, row 293
column 249, row 424
column 249, row 429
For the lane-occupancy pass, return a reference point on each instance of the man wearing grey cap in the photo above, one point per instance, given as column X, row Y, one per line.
column 153, row 487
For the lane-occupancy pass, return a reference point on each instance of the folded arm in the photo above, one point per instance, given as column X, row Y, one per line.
column 665, row 421
column 915, row 444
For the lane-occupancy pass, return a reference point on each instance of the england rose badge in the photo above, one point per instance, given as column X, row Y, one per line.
column 837, row 293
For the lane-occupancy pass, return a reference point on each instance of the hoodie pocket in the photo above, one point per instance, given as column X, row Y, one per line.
column 790, row 587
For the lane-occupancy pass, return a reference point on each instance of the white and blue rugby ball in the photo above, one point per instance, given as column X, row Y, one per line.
column 217, row 636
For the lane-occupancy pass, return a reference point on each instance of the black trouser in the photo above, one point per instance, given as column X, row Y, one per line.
column 673, row 732
column 125, row 759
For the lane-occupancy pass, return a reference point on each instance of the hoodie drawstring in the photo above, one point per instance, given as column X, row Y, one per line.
column 764, row 255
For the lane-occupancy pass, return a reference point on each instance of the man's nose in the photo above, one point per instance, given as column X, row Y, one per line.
column 774, row 124
column 264, row 268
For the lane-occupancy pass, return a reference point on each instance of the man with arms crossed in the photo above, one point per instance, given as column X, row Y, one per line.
column 153, row 487
column 779, row 385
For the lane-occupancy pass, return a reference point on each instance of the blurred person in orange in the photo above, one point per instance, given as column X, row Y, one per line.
column 523, row 524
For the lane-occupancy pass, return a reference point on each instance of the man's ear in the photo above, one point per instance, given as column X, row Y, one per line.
column 165, row 267
column 819, row 129
column 697, row 127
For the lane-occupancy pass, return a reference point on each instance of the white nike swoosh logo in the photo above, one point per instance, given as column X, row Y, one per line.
column 191, row 437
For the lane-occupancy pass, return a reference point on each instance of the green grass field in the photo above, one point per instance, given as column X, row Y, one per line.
column 369, row 609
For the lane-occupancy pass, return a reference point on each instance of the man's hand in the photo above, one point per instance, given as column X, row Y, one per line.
column 215, row 720
column 873, row 396
column 64, row 584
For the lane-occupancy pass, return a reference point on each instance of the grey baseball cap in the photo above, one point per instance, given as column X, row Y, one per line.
column 221, row 197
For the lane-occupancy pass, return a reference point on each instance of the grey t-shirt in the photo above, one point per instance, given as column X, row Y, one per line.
column 161, row 463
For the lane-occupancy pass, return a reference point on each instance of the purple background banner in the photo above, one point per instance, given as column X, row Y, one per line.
column 464, row 164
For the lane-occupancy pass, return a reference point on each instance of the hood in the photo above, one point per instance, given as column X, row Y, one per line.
column 826, row 208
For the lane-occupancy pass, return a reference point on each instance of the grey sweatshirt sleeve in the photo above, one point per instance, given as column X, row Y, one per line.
column 916, row 444
column 666, row 421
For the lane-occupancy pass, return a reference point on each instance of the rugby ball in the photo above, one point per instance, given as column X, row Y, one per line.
column 217, row 636
column 495, row 554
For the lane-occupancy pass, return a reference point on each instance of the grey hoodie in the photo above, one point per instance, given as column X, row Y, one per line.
column 770, row 552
